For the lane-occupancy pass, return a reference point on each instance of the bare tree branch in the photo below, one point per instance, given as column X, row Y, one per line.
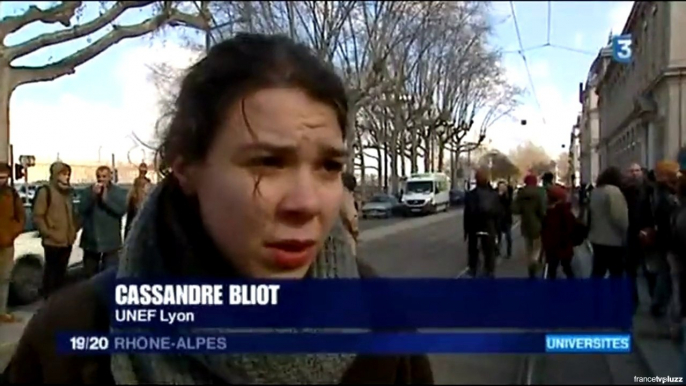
column 61, row 13
column 68, row 65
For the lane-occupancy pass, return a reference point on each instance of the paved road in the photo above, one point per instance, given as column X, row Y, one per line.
column 438, row 250
column 375, row 223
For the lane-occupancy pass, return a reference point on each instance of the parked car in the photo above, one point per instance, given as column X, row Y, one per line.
column 381, row 206
column 457, row 197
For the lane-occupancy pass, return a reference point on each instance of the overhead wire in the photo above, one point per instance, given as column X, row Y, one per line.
column 549, row 21
column 526, row 63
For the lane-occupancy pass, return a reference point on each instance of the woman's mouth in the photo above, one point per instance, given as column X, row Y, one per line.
column 292, row 254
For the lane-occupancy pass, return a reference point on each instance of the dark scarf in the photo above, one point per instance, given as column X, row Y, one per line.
column 167, row 239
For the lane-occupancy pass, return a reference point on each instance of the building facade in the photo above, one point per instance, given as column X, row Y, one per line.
column 589, row 119
column 642, row 104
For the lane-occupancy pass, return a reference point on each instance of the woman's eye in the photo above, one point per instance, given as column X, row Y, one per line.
column 333, row 166
column 269, row 161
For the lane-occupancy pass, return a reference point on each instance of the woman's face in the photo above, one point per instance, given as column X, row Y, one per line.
column 270, row 189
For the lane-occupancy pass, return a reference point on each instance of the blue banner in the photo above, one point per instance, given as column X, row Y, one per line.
column 376, row 304
column 357, row 343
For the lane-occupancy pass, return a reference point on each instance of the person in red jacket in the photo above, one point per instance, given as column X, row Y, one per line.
column 557, row 232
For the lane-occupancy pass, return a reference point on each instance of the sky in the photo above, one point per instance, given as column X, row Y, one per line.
column 91, row 114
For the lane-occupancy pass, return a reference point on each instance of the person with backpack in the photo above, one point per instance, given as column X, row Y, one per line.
column 530, row 206
column 482, row 213
column 57, row 224
column 102, row 207
column 12, row 220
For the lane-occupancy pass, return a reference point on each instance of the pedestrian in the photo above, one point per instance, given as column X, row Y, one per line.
column 12, row 218
column 102, row 207
column 137, row 194
column 349, row 213
column 142, row 173
column 530, row 206
column 556, row 234
column 481, row 217
column 664, row 204
column 505, row 226
column 608, row 224
column 58, row 223
column 640, row 235
column 254, row 152
column 678, row 250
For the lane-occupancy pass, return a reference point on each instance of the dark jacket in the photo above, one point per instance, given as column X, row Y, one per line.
column 78, row 308
column 556, row 233
column 482, row 211
column 640, row 213
column 506, row 206
column 664, row 203
column 102, row 217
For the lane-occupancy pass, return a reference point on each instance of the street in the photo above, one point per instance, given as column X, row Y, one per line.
column 439, row 250
column 433, row 246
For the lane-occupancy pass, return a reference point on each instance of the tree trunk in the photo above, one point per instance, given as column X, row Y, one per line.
column 380, row 165
column 6, row 88
column 441, row 150
column 401, row 155
column 427, row 154
column 414, row 168
column 352, row 135
column 363, row 167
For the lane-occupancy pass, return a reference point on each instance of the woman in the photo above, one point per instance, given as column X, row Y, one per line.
column 556, row 234
column 505, row 227
column 141, row 187
column 253, row 156
column 609, row 223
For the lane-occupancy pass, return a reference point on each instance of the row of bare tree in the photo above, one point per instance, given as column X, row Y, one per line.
column 421, row 75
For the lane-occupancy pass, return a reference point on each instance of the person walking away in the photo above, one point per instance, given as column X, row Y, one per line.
column 140, row 189
column 349, row 213
column 609, row 223
column 505, row 224
column 666, row 205
column 58, row 223
column 640, row 235
column 12, row 218
column 231, row 208
column 530, row 206
column 481, row 217
column 102, row 207
column 556, row 233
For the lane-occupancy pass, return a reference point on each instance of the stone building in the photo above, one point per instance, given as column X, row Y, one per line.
column 642, row 104
column 589, row 119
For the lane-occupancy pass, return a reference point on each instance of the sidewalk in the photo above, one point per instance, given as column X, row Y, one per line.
column 651, row 337
column 659, row 352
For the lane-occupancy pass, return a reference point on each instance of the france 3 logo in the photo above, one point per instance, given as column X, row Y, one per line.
column 621, row 48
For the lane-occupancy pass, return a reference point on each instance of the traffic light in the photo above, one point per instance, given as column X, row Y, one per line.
column 18, row 172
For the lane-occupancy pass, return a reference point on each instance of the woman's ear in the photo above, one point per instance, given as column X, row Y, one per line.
column 186, row 174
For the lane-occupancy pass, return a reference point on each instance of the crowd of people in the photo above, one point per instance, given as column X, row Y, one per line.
column 98, row 214
column 634, row 223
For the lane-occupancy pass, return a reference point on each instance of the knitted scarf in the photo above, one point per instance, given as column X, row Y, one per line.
column 184, row 252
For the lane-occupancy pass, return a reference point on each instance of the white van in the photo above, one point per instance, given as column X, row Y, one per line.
column 426, row 193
